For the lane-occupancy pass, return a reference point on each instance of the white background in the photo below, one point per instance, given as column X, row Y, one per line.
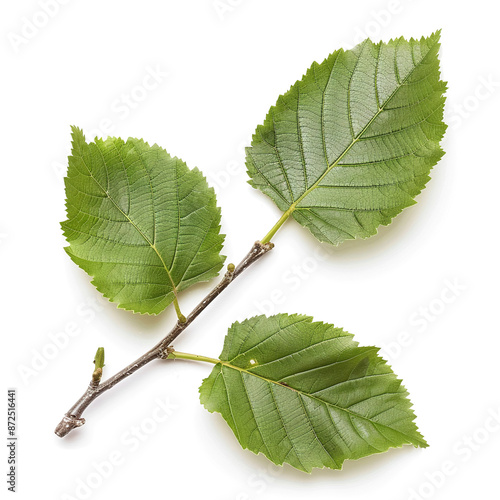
column 219, row 66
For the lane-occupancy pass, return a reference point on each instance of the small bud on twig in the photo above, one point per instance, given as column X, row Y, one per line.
column 99, row 364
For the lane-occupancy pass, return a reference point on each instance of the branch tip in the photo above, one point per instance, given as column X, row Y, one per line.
column 67, row 424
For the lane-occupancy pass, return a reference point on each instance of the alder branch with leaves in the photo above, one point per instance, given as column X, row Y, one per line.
column 345, row 150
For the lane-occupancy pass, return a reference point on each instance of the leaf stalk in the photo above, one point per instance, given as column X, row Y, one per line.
column 267, row 238
column 192, row 357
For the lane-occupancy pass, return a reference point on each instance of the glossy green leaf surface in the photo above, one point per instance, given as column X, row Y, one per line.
column 352, row 143
column 139, row 221
column 305, row 393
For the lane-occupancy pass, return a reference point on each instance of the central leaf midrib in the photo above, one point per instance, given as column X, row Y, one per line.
column 355, row 139
column 174, row 288
column 349, row 412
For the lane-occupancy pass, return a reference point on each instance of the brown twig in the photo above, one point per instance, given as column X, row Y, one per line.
column 73, row 417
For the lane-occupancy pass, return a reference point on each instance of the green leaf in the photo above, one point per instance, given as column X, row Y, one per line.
column 351, row 144
column 304, row 393
column 140, row 222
